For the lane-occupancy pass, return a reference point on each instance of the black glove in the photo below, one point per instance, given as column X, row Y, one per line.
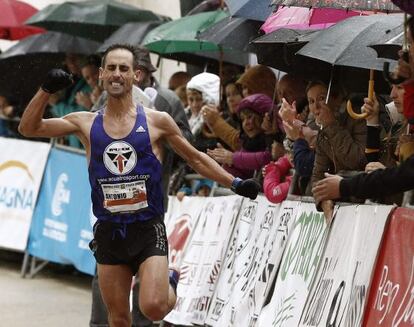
column 248, row 187
column 56, row 80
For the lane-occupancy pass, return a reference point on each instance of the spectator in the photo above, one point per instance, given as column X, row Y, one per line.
column 66, row 103
column 340, row 143
column 181, row 92
column 178, row 79
column 277, row 179
column 259, row 79
column 90, row 73
column 202, row 89
column 253, row 153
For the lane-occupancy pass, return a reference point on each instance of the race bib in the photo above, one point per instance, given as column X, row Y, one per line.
column 123, row 197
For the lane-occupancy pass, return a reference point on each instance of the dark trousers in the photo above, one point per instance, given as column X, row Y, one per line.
column 99, row 315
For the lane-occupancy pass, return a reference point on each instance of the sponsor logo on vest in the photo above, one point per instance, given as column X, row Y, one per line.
column 140, row 129
column 119, row 158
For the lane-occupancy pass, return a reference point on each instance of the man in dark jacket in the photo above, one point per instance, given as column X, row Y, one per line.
column 367, row 185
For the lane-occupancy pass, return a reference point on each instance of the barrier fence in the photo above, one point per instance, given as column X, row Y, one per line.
column 243, row 262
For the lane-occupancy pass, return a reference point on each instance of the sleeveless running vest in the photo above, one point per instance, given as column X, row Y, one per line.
column 124, row 174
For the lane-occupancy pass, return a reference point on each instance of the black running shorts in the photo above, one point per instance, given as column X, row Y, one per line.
column 129, row 244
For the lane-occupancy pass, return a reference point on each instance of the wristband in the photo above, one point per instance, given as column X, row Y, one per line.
column 236, row 181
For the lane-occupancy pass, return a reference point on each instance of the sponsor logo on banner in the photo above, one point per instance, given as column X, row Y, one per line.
column 306, row 238
column 61, row 195
column 338, row 295
column 119, row 158
column 391, row 296
column 21, row 172
column 53, row 228
column 17, row 197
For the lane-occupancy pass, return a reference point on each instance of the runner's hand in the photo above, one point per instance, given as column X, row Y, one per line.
column 248, row 187
column 56, row 80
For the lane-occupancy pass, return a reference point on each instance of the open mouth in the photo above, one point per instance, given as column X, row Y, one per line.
column 115, row 84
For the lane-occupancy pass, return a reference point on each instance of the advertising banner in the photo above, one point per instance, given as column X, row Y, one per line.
column 339, row 291
column 62, row 222
column 180, row 221
column 246, row 259
column 247, row 309
column 298, row 268
column 391, row 295
column 22, row 164
column 203, row 259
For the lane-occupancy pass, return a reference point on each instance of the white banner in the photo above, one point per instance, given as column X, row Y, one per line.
column 203, row 259
column 248, row 308
column 251, row 262
column 22, row 165
column 297, row 269
column 339, row 291
column 180, row 221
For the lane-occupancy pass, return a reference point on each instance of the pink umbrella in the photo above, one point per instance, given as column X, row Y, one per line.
column 304, row 19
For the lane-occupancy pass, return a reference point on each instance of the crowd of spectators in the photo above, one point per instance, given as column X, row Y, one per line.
column 287, row 133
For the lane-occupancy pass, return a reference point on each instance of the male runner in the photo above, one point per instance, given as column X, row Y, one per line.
column 124, row 149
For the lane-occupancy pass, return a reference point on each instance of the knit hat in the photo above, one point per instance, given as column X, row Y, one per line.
column 259, row 79
column 209, row 86
column 259, row 103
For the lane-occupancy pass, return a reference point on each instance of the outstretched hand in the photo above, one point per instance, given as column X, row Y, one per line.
column 248, row 187
column 327, row 188
column 56, row 80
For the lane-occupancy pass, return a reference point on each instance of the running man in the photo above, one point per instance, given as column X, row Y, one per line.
column 123, row 146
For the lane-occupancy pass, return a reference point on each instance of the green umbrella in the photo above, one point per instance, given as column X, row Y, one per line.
column 180, row 35
column 93, row 19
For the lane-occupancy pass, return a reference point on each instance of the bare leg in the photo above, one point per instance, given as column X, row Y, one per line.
column 156, row 296
column 115, row 284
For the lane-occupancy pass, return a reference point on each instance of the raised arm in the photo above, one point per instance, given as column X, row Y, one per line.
column 32, row 123
column 202, row 163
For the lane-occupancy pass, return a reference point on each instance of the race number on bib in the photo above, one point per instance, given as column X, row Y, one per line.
column 124, row 197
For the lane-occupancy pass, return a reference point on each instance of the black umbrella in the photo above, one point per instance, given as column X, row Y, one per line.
column 94, row 19
column 232, row 33
column 132, row 33
column 251, row 9
column 51, row 42
column 277, row 49
column 388, row 45
column 24, row 66
column 210, row 58
column 347, row 42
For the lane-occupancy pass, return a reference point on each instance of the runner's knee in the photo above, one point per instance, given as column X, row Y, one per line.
column 155, row 308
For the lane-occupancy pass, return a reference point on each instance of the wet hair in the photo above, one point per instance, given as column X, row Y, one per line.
column 123, row 46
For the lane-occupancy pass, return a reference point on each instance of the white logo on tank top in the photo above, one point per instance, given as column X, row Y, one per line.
column 140, row 129
column 119, row 158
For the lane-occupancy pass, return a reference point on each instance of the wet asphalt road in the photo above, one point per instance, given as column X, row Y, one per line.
column 56, row 296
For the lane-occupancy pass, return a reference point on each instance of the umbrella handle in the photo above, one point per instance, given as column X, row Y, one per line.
column 388, row 76
column 349, row 108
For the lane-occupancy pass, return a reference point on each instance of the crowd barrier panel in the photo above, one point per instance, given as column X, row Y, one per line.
column 391, row 295
column 21, row 170
column 243, row 262
column 62, row 221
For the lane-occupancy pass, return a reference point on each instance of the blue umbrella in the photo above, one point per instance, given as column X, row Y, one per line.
column 251, row 9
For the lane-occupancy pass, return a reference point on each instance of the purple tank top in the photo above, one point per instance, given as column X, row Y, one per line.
column 124, row 174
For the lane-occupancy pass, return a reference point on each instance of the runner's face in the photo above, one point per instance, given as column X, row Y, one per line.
column 118, row 75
